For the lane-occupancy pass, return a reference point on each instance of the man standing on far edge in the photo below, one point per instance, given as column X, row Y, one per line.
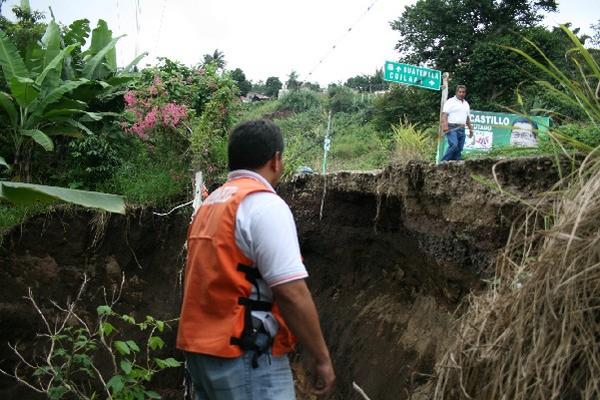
column 455, row 115
column 244, row 292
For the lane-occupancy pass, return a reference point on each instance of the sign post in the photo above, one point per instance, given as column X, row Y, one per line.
column 440, row 142
column 427, row 78
column 412, row 75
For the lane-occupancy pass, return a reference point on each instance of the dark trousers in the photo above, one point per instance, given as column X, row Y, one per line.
column 456, row 142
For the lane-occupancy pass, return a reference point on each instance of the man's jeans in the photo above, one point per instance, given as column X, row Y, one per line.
column 456, row 142
column 217, row 378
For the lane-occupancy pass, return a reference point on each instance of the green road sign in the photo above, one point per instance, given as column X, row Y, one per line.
column 412, row 75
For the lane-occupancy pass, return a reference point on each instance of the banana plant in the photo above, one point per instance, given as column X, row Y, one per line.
column 98, row 63
column 36, row 107
column 40, row 103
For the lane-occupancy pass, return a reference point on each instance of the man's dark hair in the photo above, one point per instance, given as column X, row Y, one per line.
column 461, row 87
column 253, row 143
column 523, row 120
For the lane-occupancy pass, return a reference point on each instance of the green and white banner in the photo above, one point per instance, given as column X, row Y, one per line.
column 492, row 129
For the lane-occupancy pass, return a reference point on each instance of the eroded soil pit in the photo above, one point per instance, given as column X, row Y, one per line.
column 390, row 257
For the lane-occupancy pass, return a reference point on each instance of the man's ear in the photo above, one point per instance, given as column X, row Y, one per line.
column 278, row 161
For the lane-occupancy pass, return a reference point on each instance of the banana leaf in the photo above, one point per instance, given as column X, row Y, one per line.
column 26, row 193
column 39, row 137
column 24, row 90
column 10, row 59
column 6, row 102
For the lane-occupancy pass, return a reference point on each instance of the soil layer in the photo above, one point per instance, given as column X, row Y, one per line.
column 390, row 258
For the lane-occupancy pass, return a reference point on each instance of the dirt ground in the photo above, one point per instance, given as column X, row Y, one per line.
column 392, row 257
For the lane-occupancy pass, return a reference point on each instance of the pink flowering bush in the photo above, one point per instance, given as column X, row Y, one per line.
column 148, row 111
column 183, row 113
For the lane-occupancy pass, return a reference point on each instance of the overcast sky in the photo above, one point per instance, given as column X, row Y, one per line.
column 266, row 37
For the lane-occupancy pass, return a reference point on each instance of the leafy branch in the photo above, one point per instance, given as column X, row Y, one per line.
column 69, row 363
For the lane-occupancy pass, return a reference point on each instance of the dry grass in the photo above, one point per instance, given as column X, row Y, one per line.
column 535, row 334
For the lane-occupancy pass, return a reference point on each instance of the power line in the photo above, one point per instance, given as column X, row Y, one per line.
column 160, row 24
column 120, row 52
column 346, row 33
column 138, row 12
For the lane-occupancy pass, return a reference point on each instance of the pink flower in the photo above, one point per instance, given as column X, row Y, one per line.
column 173, row 114
column 129, row 98
column 151, row 118
column 157, row 80
column 153, row 90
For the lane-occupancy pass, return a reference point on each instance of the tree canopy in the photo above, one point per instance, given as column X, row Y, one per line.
column 368, row 83
column 272, row 86
column 470, row 39
column 240, row 78
column 293, row 82
column 441, row 33
column 217, row 57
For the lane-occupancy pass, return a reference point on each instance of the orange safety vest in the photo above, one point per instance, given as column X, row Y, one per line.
column 216, row 287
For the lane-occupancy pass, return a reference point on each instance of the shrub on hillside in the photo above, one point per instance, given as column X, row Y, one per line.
column 300, row 101
column 341, row 98
column 149, row 176
column 412, row 143
column 585, row 133
column 91, row 161
column 211, row 129
column 415, row 105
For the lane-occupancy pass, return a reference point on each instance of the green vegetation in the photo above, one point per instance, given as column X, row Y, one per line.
column 506, row 333
column 70, row 118
column 15, row 215
column 412, row 143
column 74, row 351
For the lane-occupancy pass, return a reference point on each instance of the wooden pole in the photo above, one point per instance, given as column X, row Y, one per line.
column 440, row 146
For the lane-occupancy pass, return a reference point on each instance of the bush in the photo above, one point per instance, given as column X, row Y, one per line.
column 341, row 98
column 257, row 110
column 412, row 143
column 300, row 101
column 150, row 177
column 360, row 148
column 303, row 135
column 584, row 133
column 415, row 105
column 90, row 161
column 211, row 129
column 355, row 144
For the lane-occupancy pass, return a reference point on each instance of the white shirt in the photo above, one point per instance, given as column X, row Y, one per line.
column 266, row 233
column 457, row 110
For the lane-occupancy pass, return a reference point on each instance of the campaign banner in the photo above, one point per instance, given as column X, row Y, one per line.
column 491, row 129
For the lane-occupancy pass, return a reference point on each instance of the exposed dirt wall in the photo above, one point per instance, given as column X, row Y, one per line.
column 50, row 253
column 393, row 255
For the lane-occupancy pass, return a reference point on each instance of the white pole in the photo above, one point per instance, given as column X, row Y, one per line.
column 198, row 185
column 326, row 145
column 440, row 146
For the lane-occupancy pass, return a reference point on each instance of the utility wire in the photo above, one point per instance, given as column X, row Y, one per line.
column 119, row 51
column 160, row 24
column 138, row 12
column 343, row 36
